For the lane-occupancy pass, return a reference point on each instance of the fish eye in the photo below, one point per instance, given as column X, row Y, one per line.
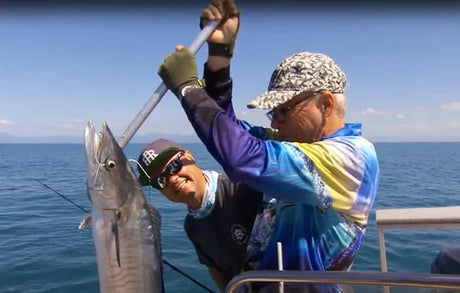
column 110, row 164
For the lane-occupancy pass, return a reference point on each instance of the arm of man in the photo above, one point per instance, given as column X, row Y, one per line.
column 219, row 88
column 222, row 41
column 217, row 68
column 219, row 277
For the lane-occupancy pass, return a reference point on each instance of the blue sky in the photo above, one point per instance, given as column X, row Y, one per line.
column 60, row 67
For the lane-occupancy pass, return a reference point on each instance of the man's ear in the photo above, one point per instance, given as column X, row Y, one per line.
column 188, row 156
column 326, row 103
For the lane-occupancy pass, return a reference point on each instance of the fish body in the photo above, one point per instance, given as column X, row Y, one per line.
column 126, row 228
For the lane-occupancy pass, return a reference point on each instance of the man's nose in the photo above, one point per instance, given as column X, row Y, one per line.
column 274, row 123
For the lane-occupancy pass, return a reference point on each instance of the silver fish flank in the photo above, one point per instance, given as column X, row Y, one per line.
column 126, row 228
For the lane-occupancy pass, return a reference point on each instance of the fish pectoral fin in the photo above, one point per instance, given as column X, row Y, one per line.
column 84, row 223
column 117, row 238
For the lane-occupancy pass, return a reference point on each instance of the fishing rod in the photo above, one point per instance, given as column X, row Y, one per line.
column 164, row 261
column 196, row 44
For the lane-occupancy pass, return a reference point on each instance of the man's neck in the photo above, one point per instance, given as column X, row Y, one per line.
column 195, row 203
column 333, row 126
column 197, row 199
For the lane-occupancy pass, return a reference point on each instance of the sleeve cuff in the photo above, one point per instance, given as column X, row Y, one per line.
column 218, row 84
column 216, row 77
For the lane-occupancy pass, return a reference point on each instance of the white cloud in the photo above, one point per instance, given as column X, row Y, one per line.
column 5, row 122
column 454, row 124
column 371, row 111
column 455, row 106
column 400, row 116
column 420, row 109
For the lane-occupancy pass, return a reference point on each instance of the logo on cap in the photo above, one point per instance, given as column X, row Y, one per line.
column 148, row 156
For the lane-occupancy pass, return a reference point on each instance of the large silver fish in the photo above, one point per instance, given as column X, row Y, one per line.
column 126, row 229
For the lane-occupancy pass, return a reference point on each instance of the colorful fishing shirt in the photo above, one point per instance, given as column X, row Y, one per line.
column 317, row 196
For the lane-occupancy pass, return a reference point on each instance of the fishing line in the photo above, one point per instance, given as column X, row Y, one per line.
column 99, row 166
column 63, row 196
column 143, row 170
column 190, row 278
column 164, row 261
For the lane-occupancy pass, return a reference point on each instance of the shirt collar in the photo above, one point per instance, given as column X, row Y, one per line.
column 350, row 129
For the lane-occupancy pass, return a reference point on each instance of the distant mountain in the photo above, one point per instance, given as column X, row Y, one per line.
column 182, row 138
column 179, row 138
column 146, row 138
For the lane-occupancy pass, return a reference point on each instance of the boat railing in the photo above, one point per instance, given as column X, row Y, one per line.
column 386, row 219
column 418, row 280
column 414, row 218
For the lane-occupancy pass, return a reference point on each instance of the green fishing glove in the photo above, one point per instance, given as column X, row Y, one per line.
column 178, row 69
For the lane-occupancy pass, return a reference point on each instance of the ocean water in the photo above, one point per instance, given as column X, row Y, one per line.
column 42, row 249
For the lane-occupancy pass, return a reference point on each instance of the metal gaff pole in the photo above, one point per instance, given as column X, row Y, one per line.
column 161, row 90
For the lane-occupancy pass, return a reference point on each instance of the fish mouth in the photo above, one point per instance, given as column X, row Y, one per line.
column 95, row 162
column 92, row 144
column 110, row 177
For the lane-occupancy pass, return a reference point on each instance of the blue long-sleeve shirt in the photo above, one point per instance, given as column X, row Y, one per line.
column 317, row 196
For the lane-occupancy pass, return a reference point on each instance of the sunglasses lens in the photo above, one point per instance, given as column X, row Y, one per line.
column 277, row 114
column 269, row 115
column 174, row 166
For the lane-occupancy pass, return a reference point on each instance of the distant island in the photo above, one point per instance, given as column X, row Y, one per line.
column 184, row 138
column 146, row 138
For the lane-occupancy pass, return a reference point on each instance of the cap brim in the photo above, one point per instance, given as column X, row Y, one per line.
column 159, row 162
column 272, row 99
column 143, row 180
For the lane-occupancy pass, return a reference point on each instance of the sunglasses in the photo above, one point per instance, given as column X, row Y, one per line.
column 282, row 114
column 161, row 181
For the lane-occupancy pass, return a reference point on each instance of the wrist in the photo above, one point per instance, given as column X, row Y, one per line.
column 215, row 63
column 189, row 86
column 221, row 49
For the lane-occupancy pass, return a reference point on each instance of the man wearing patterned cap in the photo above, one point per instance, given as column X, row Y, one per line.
column 318, row 174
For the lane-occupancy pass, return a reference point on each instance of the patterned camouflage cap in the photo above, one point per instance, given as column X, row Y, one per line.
column 298, row 73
